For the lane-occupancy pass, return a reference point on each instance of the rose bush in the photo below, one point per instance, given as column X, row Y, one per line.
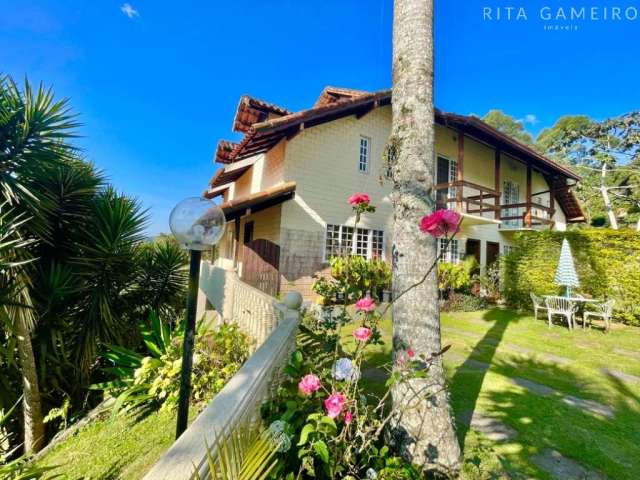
column 329, row 425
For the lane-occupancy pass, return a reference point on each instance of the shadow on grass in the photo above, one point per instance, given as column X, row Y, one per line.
column 544, row 422
column 486, row 348
column 114, row 472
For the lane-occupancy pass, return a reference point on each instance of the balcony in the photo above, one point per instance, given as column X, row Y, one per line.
column 478, row 204
column 481, row 205
column 532, row 215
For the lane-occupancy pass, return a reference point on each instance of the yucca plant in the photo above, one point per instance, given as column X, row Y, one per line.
column 246, row 453
column 33, row 133
column 162, row 277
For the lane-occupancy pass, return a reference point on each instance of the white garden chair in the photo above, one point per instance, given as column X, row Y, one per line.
column 602, row 310
column 538, row 304
column 563, row 307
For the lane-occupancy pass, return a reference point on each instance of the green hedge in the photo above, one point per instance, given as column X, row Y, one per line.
column 607, row 262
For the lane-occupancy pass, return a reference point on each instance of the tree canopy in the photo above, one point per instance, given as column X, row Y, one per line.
column 508, row 125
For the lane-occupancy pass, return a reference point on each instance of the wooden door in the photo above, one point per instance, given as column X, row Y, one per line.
column 473, row 249
column 260, row 263
column 493, row 252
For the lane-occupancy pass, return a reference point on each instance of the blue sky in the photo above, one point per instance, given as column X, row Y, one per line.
column 156, row 83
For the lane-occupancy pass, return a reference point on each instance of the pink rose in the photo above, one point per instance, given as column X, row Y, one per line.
column 362, row 334
column 440, row 223
column 348, row 418
column 334, row 404
column 358, row 198
column 366, row 304
column 309, row 384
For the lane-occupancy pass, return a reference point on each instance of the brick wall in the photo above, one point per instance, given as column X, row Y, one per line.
column 301, row 261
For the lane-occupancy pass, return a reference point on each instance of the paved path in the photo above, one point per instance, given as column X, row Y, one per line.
column 625, row 377
column 563, row 468
column 627, row 353
column 490, row 427
column 537, row 388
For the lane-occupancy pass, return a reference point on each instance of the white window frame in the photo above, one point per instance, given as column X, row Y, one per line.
column 511, row 195
column 364, row 159
column 452, row 173
column 452, row 255
column 354, row 237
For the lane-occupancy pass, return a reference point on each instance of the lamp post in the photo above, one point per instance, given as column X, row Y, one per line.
column 197, row 224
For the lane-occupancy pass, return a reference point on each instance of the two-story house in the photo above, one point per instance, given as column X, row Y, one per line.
column 285, row 185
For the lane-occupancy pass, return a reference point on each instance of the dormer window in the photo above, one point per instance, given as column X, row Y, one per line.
column 365, row 154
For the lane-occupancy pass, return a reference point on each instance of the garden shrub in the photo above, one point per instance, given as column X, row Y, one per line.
column 354, row 277
column 607, row 263
column 463, row 302
column 456, row 277
column 148, row 383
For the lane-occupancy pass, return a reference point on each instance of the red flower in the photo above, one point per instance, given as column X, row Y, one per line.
column 358, row 198
column 309, row 384
column 348, row 418
column 334, row 404
column 366, row 304
column 440, row 223
column 411, row 353
column 362, row 334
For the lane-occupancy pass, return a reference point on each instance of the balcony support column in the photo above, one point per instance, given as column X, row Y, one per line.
column 497, row 186
column 460, row 171
column 527, row 217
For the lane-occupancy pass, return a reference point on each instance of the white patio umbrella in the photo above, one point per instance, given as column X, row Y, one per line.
column 566, row 275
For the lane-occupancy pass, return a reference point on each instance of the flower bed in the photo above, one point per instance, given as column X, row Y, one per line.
column 326, row 424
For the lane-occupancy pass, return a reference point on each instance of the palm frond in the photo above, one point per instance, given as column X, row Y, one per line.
column 33, row 130
column 105, row 263
column 246, row 453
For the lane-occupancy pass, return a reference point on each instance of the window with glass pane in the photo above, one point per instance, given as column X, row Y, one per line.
column 377, row 239
column 363, row 163
column 451, row 253
column 346, row 240
column 362, row 243
column 510, row 196
column 332, row 240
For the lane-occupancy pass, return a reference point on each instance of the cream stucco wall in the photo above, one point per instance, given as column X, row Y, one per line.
column 323, row 161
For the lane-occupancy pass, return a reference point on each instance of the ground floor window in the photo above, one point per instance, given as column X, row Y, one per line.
column 450, row 251
column 339, row 240
column 507, row 249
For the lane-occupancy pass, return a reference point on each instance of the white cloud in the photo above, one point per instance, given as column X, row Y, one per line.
column 129, row 11
column 530, row 119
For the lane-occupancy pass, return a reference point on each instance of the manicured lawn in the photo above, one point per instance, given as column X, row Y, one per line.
column 516, row 373
column 122, row 449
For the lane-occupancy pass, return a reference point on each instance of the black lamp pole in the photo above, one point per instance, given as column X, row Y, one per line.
column 187, row 349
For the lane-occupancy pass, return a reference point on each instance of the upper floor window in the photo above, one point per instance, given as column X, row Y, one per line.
column 365, row 155
column 446, row 172
column 511, row 196
column 343, row 240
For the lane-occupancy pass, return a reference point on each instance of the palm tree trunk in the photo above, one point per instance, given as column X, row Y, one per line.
column 422, row 427
column 31, row 406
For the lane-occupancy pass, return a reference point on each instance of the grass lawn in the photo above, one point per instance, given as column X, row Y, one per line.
column 505, row 366
column 122, row 449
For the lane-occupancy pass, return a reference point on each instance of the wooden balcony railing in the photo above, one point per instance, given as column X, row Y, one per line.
column 526, row 215
column 467, row 197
